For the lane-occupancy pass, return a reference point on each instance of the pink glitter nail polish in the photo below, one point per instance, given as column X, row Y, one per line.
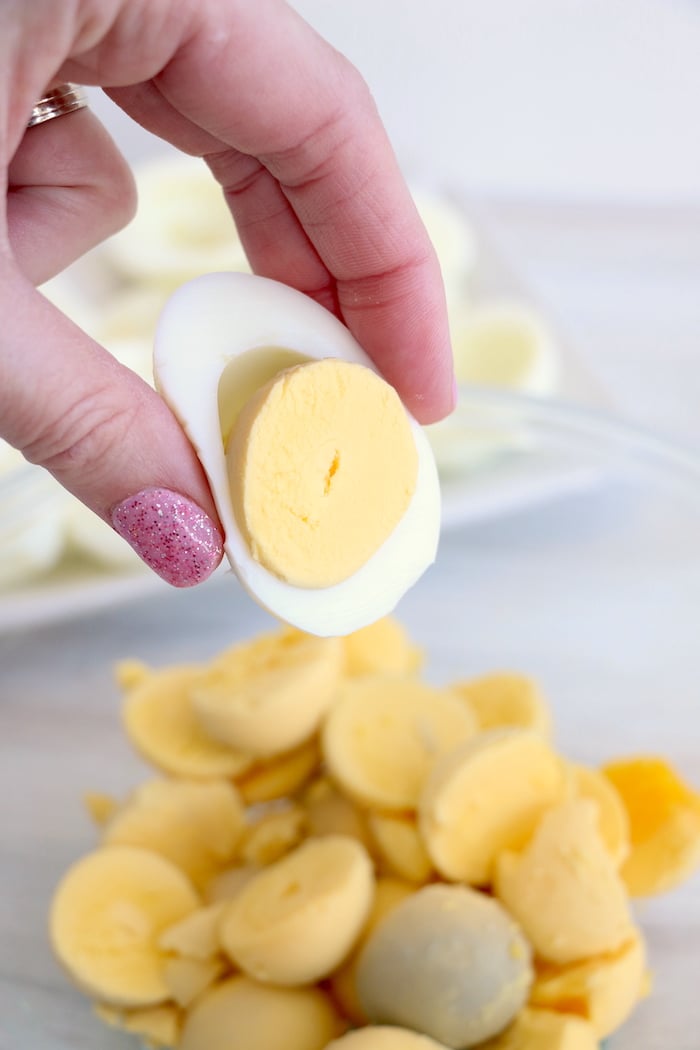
column 171, row 534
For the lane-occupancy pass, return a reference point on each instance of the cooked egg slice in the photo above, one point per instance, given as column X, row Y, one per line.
column 454, row 240
column 32, row 511
column 505, row 344
column 325, row 485
column 182, row 227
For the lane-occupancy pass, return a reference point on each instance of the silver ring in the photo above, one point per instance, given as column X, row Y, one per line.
column 66, row 98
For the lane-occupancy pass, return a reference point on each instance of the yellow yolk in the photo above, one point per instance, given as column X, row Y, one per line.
column 603, row 989
column 322, row 466
column 297, row 919
column 664, row 823
column 564, row 889
column 651, row 791
column 486, row 796
column 382, row 647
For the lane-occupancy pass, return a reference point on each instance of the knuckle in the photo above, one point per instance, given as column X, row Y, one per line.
column 78, row 441
column 314, row 155
column 396, row 286
column 236, row 173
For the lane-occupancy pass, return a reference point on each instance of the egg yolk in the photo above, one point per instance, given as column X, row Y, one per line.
column 322, row 466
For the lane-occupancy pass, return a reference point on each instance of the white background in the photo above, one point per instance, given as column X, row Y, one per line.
column 549, row 96
column 571, row 98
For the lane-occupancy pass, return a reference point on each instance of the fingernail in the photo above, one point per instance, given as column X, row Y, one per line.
column 455, row 392
column 171, row 534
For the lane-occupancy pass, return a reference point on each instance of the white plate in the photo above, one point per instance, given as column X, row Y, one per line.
column 72, row 589
column 506, row 484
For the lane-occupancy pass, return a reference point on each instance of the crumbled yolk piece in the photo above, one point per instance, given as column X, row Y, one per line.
column 322, row 466
column 651, row 791
column 506, row 699
column 154, row 1025
column 382, row 647
column 664, row 821
column 564, row 889
column 603, row 989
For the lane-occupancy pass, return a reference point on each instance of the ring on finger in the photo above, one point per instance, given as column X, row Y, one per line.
column 65, row 98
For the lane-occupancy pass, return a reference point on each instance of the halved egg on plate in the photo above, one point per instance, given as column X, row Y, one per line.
column 325, row 485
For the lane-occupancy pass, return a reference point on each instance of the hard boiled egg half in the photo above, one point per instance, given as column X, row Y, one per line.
column 325, row 485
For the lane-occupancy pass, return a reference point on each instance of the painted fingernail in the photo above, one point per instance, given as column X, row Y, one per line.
column 171, row 534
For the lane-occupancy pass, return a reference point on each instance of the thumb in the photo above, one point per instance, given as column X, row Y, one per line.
column 105, row 435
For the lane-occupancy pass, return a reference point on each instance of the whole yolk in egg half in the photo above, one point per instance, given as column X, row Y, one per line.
column 322, row 466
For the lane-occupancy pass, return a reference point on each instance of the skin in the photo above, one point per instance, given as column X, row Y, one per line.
column 287, row 127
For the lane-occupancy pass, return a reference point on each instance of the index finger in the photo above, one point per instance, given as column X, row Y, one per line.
column 267, row 85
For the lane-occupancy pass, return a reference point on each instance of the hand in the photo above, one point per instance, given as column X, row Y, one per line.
column 288, row 128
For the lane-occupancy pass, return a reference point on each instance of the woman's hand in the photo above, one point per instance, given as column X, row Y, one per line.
column 288, row 128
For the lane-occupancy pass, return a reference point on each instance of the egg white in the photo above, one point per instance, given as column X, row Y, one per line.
column 210, row 327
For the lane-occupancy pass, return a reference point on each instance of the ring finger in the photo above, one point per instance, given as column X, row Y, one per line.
column 68, row 189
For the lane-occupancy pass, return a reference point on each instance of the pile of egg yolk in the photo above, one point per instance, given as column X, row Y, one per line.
column 338, row 854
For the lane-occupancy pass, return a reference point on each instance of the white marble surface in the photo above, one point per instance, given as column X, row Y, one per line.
column 552, row 97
